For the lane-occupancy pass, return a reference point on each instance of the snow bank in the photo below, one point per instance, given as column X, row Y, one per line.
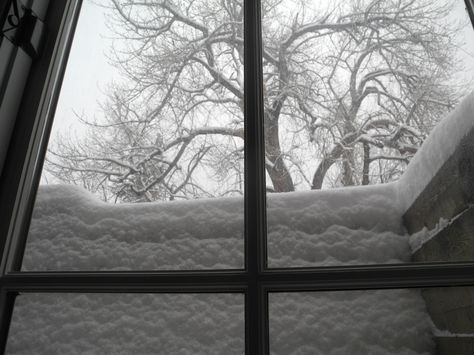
column 71, row 230
column 127, row 324
column 329, row 323
column 436, row 150
column 346, row 226
column 353, row 323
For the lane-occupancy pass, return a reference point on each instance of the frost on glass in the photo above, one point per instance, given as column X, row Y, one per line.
column 127, row 324
column 150, row 111
column 352, row 90
column 372, row 322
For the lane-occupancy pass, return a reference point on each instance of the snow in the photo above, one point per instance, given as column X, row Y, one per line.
column 127, row 324
column 357, row 322
column 448, row 334
column 346, row 226
column 436, row 150
column 421, row 237
column 327, row 323
column 71, row 230
column 418, row 239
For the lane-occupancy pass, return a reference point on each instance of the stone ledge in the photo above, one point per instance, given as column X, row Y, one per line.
column 451, row 309
column 455, row 242
column 455, row 345
column 449, row 192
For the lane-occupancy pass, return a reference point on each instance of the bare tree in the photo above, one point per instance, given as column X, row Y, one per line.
column 351, row 91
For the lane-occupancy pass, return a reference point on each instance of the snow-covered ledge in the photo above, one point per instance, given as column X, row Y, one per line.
column 439, row 181
column 437, row 193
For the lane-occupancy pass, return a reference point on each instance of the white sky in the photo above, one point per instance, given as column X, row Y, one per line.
column 88, row 72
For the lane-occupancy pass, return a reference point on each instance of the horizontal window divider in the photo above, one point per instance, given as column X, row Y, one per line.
column 272, row 280
column 369, row 277
column 126, row 282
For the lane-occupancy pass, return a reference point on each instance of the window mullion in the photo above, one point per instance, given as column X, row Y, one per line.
column 218, row 281
column 7, row 301
column 470, row 10
column 369, row 277
column 256, row 317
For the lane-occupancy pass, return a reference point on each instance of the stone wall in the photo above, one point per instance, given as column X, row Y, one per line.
column 448, row 194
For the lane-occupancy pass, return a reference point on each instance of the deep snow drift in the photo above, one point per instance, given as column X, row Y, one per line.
column 352, row 225
column 71, row 230
column 329, row 323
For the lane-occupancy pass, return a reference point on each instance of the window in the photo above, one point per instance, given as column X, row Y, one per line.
column 264, row 288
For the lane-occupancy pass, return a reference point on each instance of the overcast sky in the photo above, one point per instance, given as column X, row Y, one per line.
column 89, row 70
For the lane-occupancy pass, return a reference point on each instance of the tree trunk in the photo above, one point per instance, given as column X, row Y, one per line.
column 330, row 159
column 321, row 171
column 279, row 174
column 348, row 168
column 365, row 168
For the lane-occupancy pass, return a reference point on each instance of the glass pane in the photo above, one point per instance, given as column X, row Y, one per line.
column 127, row 324
column 404, row 321
column 145, row 162
column 352, row 91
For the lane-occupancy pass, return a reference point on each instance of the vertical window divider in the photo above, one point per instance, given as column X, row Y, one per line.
column 256, row 314
column 7, row 301
column 470, row 10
